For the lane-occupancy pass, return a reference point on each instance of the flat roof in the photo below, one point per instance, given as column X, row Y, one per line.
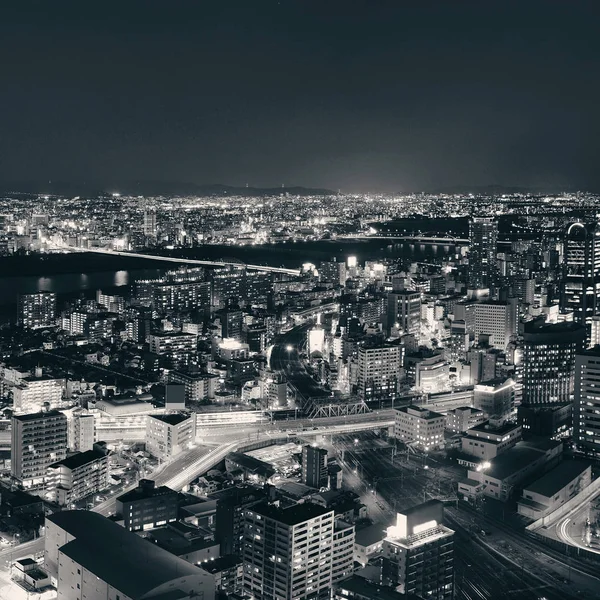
column 366, row 589
column 561, row 476
column 487, row 428
column 78, row 460
column 425, row 413
column 39, row 415
column 511, row 461
column 140, row 493
column 171, row 419
column 294, row 515
column 370, row 535
column 129, row 563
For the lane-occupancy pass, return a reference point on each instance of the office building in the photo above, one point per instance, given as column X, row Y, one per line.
column 37, row 310
column 580, row 285
column 586, row 406
column 169, row 435
column 548, row 362
column 77, row 477
column 288, row 552
column 404, row 312
column 147, row 506
column 273, row 389
column 314, row 467
column 418, row 553
column 37, row 441
column 553, row 420
column 228, row 573
column 231, row 324
column 379, row 370
column 98, row 558
column 419, row 427
column 495, row 397
column 483, row 240
column 497, row 321
column 149, row 225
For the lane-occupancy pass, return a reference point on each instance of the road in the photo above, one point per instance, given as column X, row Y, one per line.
column 571, row 527
column 187, row 261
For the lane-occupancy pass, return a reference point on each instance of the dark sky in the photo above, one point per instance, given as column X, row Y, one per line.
column 375, row 95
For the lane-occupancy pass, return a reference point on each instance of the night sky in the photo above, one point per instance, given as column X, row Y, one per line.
column 374, row 95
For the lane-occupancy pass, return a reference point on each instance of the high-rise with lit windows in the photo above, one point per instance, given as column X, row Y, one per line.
column 549, row 361
column 37, row 310
column 288, row 552
column 483, row 237
column 586, row 407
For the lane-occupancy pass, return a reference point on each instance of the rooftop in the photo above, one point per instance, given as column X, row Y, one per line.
column 124, row 560
column 370, row 535
column 49, row 414
column 365, row 589
column 80, row 459
column 222, row 563
column 552, row 482
column 294, row 515
column 424, row 413
column 146, row 492
column 171, row 419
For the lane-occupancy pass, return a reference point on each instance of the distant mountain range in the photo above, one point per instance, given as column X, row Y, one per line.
column 499, row 190
column 155, row 188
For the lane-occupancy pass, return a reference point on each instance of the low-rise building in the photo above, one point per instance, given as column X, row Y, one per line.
column 463, row 418
column 499, row 477
column 553, row 489
column 419, row 427
column 554, row 419
column 228, row 573
column 169, row 435
column 486, row 441
column 87, row 552
column 147, row 506
column 198, row 386
column 77, row 476
column 368, row 543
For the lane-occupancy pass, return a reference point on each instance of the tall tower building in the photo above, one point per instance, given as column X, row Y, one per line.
column 498, row 320
column 549, row 352
column 580, row 286
column 418, row 553
column 379, row 371
column 37, row 441
column 483, row 236
column 149, row 223
column 586, row 408
column 404, row 311
column 314, row 467
column 288, row 552
column 37, row 310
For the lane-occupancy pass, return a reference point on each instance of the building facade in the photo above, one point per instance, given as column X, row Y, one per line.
column 169, row 435
column 419, row 427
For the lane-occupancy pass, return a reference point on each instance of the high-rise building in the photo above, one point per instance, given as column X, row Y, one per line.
column 483, row 236
column 379, row 371
column 333, row 272
column 175, row 349
column 404, row 312
column 32, row 392
column 418, row 553
column 586, row 407
column 149, row 223
column 497, row 321
column 549, row 361
column 231, row 324
column 37, row 441
column 580, row 286
column 288, row 552
column 37, row 310
column 314, row 467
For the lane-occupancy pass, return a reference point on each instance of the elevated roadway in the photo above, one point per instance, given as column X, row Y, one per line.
column 187, row 261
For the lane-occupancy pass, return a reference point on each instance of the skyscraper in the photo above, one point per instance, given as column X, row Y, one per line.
column 418, row 553
column 483, row 236
column 288, row 552
column 37, row 310
column 149, row 223
column 549, row 361
column 580, row 286
column 379, row 371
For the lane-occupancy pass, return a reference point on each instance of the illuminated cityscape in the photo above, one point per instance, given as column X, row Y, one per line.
column 366, row 366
